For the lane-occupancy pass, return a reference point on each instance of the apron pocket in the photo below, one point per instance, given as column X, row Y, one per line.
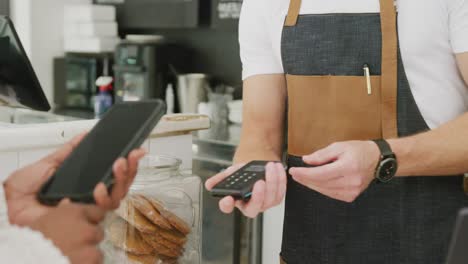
column 326, row 109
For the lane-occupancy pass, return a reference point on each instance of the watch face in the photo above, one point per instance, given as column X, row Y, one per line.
column 387, row 169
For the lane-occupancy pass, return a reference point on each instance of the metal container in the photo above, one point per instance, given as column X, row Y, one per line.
column 191, row 90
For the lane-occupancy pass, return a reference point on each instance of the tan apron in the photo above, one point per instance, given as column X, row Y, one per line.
column 327, row 109
column 332, row 97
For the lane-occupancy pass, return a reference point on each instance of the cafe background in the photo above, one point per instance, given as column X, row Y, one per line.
column 183, row 51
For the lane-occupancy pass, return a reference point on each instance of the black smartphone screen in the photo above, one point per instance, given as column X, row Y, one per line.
column 122, row 129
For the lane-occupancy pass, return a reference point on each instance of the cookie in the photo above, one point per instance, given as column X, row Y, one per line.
column 142, row 259
column 173, row 236
column 133, row 216
column 145, row 207
column 150, row 259
column 162, row 246
column 173, row 219
column 126, row 237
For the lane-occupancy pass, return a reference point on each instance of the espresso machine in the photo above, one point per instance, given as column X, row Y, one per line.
column 144, row 66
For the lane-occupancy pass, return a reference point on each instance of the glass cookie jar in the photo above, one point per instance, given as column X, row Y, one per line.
column 159, row 221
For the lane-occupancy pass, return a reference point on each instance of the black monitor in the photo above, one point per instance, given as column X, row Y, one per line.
column 19, row 86
column 458, row 253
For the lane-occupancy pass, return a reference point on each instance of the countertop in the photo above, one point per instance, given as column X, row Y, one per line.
column 38, row 129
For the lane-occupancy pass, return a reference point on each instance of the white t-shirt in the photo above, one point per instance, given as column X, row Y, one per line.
column 431, row 32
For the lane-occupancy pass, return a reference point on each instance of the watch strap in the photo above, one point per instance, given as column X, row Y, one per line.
column 385, row 149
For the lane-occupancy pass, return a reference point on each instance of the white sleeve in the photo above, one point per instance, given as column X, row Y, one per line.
column 256, row 45
column 23, row 245
column 458, row 25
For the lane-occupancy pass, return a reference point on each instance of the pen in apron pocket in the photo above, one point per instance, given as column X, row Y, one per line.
column 368, row 79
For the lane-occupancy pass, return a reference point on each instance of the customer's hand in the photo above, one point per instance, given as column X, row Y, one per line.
column 265, row 194
column 344, row 170
column 74, row 229
column 23, row 185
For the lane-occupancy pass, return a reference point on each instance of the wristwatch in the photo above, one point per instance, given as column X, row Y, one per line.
column 388, row 165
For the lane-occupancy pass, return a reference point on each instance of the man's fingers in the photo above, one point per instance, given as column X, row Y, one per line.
column 341, row 194
column 211, row 182
column 324, row 191
column 226, row 205
column 336, row 183
column 318, row 174
column 282, row 182
column 271, row 188
column 323, row 156
column 255, row 205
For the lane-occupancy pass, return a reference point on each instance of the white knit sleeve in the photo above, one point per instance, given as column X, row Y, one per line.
column 25, row 246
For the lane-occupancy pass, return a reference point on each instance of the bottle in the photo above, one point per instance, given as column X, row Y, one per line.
column 170, row 98
column 103, row 100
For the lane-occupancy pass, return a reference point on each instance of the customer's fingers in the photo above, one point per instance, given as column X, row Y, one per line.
column 91, row 234
column 121, row 175
column 133, row 159
column 271, row 186
column 64, row 202
column 89, row 255
column 102, row 198
column 211, row 182
column 227, row 204
column 282, row 183
column 255, row 205
column 93, row 213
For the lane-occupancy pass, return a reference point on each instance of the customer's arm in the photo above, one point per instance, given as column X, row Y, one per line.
column 442, row 151
column 71, row 228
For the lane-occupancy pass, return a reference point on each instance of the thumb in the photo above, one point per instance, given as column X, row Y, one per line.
column 64, row 201
column 323, row 156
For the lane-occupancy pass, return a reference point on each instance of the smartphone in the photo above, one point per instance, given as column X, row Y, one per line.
column 123, row 128
column 240, row 184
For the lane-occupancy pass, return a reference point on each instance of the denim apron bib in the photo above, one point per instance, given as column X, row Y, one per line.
column 408, row 220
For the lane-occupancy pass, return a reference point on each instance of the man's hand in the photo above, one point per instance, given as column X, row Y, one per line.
column 74, row 229
column 344, row 170
column 23, row 185
column 265, row 194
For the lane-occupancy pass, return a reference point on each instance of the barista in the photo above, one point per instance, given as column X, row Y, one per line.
column 377, row 122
